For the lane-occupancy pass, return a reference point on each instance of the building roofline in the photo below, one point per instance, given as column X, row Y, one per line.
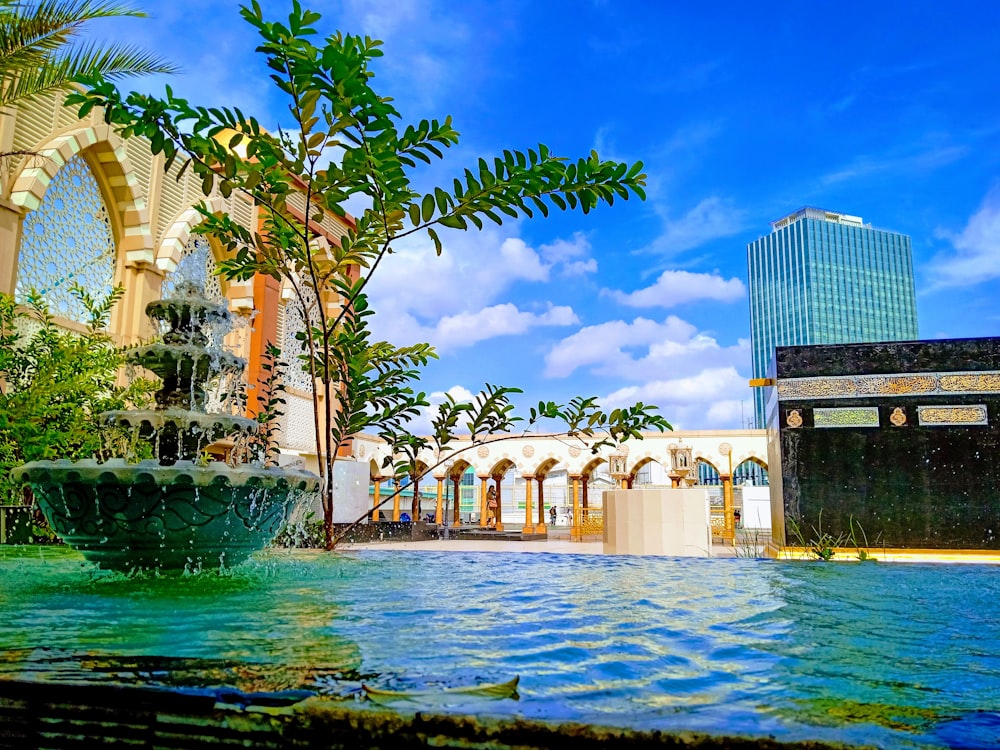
column 813, row 212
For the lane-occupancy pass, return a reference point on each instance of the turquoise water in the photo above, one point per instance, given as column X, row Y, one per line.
column 890, row 655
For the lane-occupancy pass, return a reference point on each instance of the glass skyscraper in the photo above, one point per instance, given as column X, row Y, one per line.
column 822, row 277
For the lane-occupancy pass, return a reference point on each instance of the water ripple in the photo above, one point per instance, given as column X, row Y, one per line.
column 877, row 654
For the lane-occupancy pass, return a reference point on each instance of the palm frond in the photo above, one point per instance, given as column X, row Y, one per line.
column 48, row 25
column 36, row 54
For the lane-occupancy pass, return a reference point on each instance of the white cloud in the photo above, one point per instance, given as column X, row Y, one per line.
column 474, row 269
column 383, row 18
column 712, row 398
column 455, row 300
column 643, row 349
column 573, row 256
column 674, row 288
column 467, row 328
column 603, row 344
column 976, row 256
column 499, row 320
column 421, row 424
column 711, row 219
column 919, row 161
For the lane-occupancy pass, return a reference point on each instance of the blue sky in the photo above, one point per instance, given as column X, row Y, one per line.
column 742, row 112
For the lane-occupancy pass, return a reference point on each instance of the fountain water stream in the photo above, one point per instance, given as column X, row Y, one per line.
column 176, row 510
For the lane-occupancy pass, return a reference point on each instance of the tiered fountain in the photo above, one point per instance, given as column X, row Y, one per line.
column 176, row 510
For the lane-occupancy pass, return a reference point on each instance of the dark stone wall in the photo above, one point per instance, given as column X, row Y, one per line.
column 885, row 358
column 910, row 486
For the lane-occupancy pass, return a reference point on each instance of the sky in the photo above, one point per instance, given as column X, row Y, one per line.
column 741, row 113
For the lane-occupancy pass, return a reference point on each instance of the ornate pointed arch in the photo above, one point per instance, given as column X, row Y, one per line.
column 106, row 156
column 592, row 464
column 546, row 466
column 502, row 466
column 170, row 248
column 177, row 238
column 457, row 468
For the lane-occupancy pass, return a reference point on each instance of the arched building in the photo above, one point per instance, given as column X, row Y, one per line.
column 81, row 206
column 534, row 473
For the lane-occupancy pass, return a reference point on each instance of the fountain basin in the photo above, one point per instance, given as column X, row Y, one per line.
column 124, row 515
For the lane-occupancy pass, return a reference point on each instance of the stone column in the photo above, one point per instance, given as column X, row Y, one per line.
column 11, row 220
column 728, row 525
column 143, row 284
column 576, row 530
column 482, row 500
column 375, row 502
column 540, row 526
column 456, row 497
column 529, row 528
column 496, row 486
column 438, row 513
column 264, row 331
column 395, row 499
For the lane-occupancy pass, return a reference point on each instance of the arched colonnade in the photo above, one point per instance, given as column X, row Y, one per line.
column 531, row 460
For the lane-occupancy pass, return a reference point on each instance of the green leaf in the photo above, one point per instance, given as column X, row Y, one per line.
column 453, row 221
column 437, row 241
column 428, row 207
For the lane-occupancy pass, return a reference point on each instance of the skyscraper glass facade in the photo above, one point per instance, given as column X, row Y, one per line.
column 822, row 277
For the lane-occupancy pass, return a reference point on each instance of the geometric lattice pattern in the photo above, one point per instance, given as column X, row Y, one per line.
column 297, row 426
column 294, row 322
column 67, row 241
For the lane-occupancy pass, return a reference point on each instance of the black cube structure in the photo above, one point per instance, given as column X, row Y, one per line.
column 901, row 437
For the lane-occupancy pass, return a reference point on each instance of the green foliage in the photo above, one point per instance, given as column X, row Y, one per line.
column 54, row 383
column 263, row 445
column 859, row 540
column 750, row 543
column 820, row 544
column 38, row 53
column 348, row 141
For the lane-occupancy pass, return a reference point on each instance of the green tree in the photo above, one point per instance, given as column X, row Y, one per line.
column 39, row 53
column 348, row 141
column 55, row 383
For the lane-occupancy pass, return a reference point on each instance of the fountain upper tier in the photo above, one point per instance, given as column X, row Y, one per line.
column 189, row 358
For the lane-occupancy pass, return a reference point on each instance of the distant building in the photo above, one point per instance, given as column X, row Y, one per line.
column 822, row 277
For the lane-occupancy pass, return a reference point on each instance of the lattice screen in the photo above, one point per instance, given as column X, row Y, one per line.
column 293, row 322
column 298, row 427
column 67, row 241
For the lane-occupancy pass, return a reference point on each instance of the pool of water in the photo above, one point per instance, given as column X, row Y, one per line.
column 890, row 655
